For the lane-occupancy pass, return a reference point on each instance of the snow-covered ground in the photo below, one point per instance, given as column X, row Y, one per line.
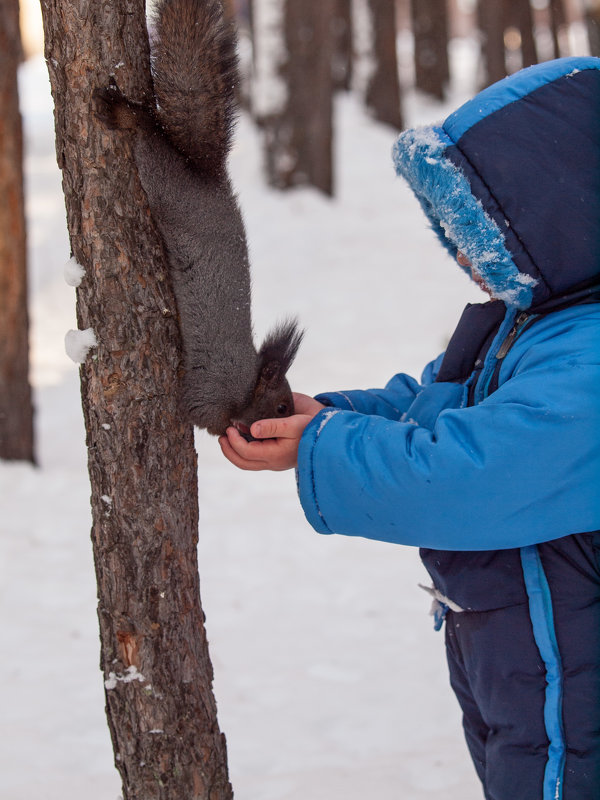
column 330, row 680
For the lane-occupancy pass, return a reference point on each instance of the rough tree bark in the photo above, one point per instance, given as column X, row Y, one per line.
column 430, row 29
column 160, row 705
column 16, row 409
column 293, row 98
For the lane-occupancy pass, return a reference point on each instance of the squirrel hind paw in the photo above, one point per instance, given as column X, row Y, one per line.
column 112, row 107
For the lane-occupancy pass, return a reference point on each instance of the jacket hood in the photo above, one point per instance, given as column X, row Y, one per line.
column 512, row 179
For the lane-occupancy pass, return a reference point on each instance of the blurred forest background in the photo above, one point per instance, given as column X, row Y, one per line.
column 295, row 56
column 298, row 53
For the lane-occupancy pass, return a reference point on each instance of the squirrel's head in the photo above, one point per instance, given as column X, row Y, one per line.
column 272, row 396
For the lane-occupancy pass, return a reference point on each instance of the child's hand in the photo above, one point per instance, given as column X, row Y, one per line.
column 280, row 450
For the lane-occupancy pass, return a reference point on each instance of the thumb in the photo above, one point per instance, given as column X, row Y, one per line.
column 285, row 428
column 267, row 429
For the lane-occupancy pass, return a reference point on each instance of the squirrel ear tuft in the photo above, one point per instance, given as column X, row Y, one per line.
column 279, row 350
column 271, row 373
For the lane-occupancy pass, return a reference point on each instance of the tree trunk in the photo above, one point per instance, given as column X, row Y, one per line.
column 491, row 20
column 521, row 16
column 160, row 706
column 310, row 45
column 592, row 15
column 383, row 91
column 16, row 409
column 375, row 70
column 430, row 29
column 342, row 45
column 294, row 90
column 557, row 21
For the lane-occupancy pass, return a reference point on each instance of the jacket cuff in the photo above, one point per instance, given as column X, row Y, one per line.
column 341, row 400
column 305, row 478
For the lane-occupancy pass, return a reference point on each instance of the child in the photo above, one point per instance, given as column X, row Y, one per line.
column 492, row 463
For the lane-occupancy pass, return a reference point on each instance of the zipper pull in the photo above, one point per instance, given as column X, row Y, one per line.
column 512, row 335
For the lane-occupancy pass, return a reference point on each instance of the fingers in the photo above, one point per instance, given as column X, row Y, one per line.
column 277, row 450
column 275, row 446
column 232, row 455
column 274, row 454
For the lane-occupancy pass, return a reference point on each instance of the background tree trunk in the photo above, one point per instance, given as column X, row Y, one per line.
column 383, row 91
column 342, row 45
column 375, row 69
column 294, row 94
column 16, row 409
column 430, row 29
column 592, row 15
column 520, row 15
column 160, row 706
column 557, row 21
column 308, row 32
column 491, row 17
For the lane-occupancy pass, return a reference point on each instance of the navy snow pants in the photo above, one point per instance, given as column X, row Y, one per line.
column 531, row 706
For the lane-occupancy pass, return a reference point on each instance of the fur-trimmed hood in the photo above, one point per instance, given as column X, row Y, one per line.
column 512, row 179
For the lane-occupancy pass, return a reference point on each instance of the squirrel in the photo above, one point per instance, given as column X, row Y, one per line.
column 181, row 140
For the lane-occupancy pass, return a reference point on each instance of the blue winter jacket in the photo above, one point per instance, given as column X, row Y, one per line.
column 498, row 445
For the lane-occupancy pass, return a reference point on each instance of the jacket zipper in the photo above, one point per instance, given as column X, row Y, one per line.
column 490, row 385
column 517, row 327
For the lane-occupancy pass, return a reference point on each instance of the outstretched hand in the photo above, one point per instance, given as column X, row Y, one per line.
column 281, row 437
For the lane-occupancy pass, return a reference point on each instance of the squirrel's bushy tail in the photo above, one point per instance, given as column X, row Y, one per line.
column 195, row 69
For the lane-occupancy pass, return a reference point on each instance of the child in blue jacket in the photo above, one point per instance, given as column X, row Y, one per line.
column 491, row 463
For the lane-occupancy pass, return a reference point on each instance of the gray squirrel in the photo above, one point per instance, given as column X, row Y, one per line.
column 180, row 144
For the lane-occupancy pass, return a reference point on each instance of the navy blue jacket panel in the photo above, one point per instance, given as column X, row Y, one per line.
column 517, row 709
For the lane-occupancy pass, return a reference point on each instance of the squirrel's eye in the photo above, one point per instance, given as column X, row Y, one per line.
column 282, row 409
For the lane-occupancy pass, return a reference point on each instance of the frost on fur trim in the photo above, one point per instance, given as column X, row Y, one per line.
column 73, row 272
column 457, row 217
column 78, row 344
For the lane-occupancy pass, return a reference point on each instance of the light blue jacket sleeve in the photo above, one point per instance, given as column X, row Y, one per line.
column 520, row 468
column 390, row 402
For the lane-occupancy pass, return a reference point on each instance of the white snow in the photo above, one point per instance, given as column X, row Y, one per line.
column 131, row 674
column 73, row 272
column 329, row 679
column 326, row 417
column 79, row 343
